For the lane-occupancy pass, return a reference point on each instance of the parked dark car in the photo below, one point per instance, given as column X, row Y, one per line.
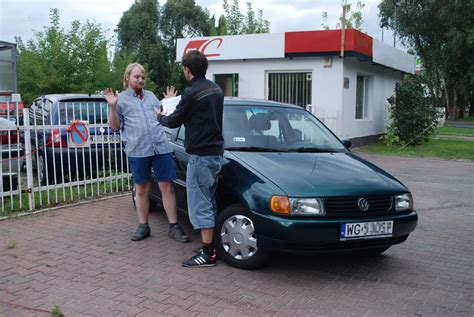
column 289, row 184
column 58, row 157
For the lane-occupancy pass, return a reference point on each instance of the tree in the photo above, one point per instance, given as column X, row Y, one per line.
column 412, row 113
column 56, row 61
column 353, row 19
column 442, row 33
column 183, row 19
column 234, row 18
column 149, row 33
column 222, row 26
column 138, row 36
column 234, row 22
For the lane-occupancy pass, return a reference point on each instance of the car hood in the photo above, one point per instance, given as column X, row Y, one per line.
column 321, row 174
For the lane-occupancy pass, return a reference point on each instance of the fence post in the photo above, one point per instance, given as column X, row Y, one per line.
column 28, row 158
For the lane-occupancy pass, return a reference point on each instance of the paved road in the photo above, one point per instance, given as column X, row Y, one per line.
column 460, row 124
column 82, row 259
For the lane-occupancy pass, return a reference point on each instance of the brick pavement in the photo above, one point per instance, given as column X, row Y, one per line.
column 82, row 259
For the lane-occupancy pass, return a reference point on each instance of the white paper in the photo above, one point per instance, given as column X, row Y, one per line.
column 169, row 104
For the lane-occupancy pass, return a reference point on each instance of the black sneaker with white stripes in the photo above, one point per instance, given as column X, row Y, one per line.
column 213, row 255
column 200, row 260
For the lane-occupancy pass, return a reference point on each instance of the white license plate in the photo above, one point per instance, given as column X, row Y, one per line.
column 366, row 230
column 105, row 138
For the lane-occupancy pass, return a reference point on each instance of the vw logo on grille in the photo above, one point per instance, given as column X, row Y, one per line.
column 363, row 204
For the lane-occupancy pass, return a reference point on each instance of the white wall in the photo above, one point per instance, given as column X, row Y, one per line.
column 393, row 57
column 381, row 86
column 329, row 98
column 326, row 81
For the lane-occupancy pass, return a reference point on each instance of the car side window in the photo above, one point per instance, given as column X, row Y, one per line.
column 36, row 112
column 46, row 110
column 180, row 139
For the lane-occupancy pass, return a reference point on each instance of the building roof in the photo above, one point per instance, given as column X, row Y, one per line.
column 299, row 44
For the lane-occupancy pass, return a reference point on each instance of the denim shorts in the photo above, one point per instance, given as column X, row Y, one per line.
column 163, row 166
column 201, row 184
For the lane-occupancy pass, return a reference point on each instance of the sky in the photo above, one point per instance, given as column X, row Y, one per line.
column 23, row 17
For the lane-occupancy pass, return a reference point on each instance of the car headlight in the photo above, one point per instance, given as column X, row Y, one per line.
column 297, row 206
column 403, row 202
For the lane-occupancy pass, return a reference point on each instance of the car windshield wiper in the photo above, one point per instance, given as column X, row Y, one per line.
column 313, row 149
column 254, row 149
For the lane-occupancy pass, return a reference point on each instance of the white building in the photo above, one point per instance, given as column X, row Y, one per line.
column 349, row 94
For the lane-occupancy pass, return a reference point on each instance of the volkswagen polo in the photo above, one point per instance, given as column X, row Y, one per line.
column 289, row 184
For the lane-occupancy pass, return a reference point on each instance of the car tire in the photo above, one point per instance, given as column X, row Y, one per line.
column 41, row 169
column 153, row 204
column 235, row 239
column 50, row 179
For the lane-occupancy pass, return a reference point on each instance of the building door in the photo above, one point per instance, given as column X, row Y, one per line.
column 229, row 84
column 294, row 88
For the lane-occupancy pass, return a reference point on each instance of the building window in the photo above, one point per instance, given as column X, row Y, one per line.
column 362, row 96
column 293, row 88
column 229, row 84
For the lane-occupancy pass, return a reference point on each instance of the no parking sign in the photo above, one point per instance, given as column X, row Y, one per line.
column 78, row 134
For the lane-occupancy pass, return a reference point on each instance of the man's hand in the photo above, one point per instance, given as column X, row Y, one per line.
column 110, row 96
column 158, row 111
column 170, row 92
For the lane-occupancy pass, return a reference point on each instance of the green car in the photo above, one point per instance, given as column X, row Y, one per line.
column 289, row 184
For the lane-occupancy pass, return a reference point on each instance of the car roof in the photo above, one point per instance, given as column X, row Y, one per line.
column 65, row 97
column 239, row 101
column 228, row 101
column 4, row 122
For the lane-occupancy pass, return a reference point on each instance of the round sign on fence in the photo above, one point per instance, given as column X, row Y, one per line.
column 78, row 134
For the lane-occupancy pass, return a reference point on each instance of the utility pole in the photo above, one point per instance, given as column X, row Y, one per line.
column 395, row 4
column 343, row 29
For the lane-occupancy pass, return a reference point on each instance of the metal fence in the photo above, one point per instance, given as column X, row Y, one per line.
column 65, row 158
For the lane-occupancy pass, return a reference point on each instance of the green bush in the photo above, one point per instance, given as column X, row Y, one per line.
column 412, row 114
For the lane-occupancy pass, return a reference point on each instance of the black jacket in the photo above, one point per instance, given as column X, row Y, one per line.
column 200, row 110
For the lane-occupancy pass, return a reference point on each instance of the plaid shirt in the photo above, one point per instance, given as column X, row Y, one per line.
column 140, row 131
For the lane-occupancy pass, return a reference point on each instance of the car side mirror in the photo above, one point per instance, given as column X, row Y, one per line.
column 347, row 143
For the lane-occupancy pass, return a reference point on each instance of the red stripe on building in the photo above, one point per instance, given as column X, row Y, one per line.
column 327, row 41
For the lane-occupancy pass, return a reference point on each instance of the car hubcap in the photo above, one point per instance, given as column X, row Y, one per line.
column 238, row 237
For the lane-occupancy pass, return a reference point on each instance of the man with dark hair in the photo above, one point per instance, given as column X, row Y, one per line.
column 200, row 110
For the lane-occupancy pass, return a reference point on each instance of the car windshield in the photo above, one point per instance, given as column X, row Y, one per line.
column 259, row 128
column 92, row 111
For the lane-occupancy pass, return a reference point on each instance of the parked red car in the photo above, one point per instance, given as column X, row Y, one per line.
column 9, row 109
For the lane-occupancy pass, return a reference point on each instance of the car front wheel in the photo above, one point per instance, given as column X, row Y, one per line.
column 236, row 241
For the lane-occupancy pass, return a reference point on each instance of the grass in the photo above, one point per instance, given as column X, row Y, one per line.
column 466, row 119
column 56, row 311
column 445, row 149
column 455, row 131
column 11, row 244
column 59, row 196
